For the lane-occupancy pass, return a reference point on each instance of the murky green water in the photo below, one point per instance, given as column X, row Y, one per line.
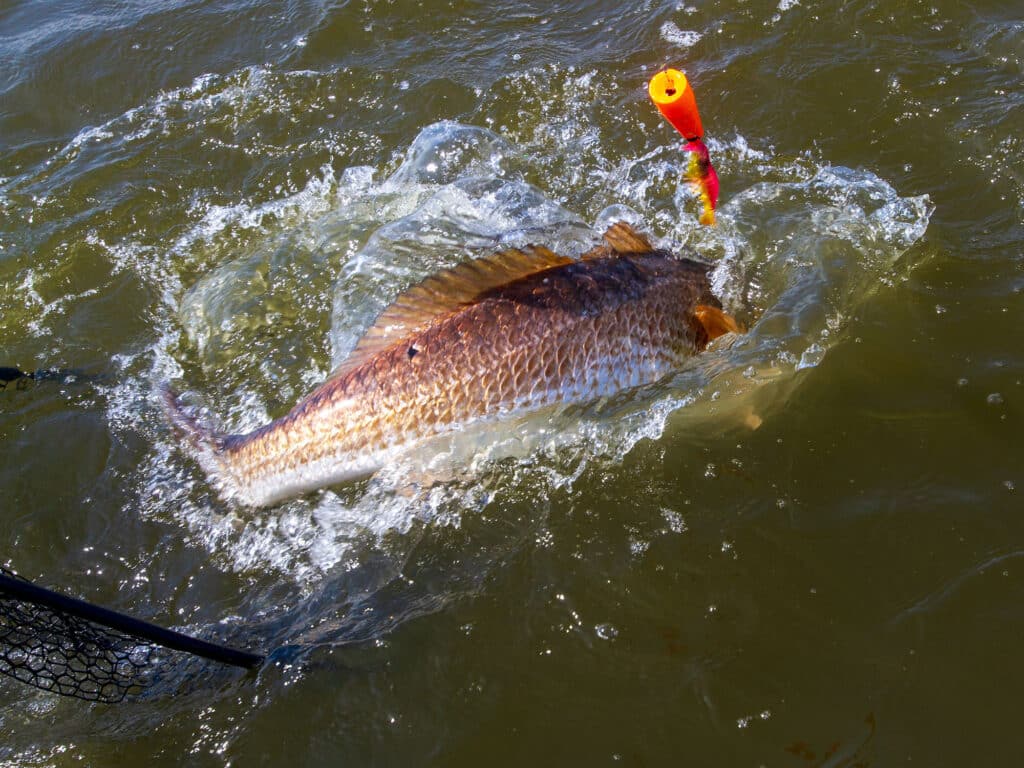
column 225, row 194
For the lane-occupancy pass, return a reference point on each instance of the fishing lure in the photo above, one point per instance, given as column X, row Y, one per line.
column 673, row 96
column 703, row 179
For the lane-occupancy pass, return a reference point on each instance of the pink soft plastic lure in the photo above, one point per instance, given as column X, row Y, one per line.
column 703, row 179
column 672, row 95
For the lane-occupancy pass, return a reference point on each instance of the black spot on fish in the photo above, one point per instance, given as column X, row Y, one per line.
column 412, row 352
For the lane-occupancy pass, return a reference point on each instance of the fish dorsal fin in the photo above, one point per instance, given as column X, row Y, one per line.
column 620, row 238
column 444, row 292
column 624, row 239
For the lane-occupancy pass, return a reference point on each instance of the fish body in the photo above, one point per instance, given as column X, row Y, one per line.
column 518, row 331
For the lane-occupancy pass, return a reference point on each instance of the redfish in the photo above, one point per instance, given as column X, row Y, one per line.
column 499, row 336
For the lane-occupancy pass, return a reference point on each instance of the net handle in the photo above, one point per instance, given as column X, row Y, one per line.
column 30, row 593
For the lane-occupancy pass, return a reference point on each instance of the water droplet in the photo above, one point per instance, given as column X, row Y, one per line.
column 813, row 355
column 638, row 546
column 675, row 521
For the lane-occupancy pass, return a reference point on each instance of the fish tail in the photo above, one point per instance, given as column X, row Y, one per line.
column 210, row 447
column 199, row 436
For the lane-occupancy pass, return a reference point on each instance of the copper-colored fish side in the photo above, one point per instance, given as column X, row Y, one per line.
column 518, row 331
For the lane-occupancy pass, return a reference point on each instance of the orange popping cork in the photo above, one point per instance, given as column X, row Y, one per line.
column 674, row 98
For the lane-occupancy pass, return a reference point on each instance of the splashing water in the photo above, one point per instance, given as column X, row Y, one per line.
column 261, row 295
column 795, row 257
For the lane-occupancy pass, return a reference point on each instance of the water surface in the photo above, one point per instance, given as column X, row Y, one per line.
column 224, row 195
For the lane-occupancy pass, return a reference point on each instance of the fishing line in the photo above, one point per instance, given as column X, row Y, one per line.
column 17, row 379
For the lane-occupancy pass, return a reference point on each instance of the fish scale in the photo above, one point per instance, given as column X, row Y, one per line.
column 521, row 331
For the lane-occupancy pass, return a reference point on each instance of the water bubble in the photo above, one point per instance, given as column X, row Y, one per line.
column 675, row 521
column 683, row 38
column 1009, row 485
column 994, row 399
column 606, row 631
column 813, row 355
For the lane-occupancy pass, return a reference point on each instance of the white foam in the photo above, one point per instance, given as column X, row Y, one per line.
column 682, row 38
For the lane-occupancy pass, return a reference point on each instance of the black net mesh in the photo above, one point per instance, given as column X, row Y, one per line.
column 68, row 655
